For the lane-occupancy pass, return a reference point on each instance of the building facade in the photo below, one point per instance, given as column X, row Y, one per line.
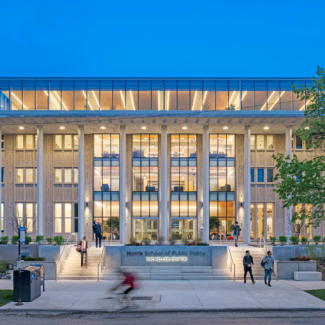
column 179, row 158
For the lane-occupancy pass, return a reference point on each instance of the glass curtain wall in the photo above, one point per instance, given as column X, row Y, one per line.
column 183, row 186
column 145, row 186
column 107, row 183
column 222, row 185
column 93, row 95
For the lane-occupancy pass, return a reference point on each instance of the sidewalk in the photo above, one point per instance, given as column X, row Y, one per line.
column 176, row 296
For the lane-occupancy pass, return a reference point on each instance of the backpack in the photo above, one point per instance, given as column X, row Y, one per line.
column 262, row 263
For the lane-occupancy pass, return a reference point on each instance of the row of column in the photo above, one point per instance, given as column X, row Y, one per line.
column 163, row 184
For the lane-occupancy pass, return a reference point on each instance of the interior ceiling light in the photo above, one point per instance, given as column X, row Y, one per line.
column 194, row 100
column 21, row 128
column 231, row 97
column 266, row 128
column 304, row 105
column 65, row 107
column 132, row 100
column 244, row 95
column 158, row 100
column 204, row 98
column 225, row 127
column 88, row 100
column 103, row 127
column 62, row 127
column 122, row 98
column 184, row 127
column 19, row 100
column 143, row 127
column 168, row 100
column 277, row 100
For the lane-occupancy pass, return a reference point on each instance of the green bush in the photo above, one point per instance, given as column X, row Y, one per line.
column 202, row 244
column 146, row 241
column 49, row 240
column 58, row 240
column 28, row 240
column 283, row 240
column 294, row 240
column 304, row 240
column 39, row 239
column 323, row 240
column 4, row 240
column 161, row 240
column 14, row 239
column 312, row 252
column 4, row 266
column 273, row 240
column 317, row 239
column 171, row 240
column 30, row 258
column 185, row 241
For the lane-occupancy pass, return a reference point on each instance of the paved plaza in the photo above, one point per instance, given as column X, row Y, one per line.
column 176, row 295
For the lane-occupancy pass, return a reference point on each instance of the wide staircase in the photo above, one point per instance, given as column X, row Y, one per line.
column 71, row 269
column 238, row 254
column 170, row 273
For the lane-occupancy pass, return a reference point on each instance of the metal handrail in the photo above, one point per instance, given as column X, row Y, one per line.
column 232, row 261
column 101, row 262
column 59, row 260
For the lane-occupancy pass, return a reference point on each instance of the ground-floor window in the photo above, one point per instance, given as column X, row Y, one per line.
column 2, row 224
column 184, row 229
column 261, row 220
column 26, row 215
column 145, row 228
column 63, row 217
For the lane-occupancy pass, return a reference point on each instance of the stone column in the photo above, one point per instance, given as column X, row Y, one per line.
column 122, row 184
column 163, row 183
column 206, row 184
column 81, row 182
column 247, row 184
column 288, row 152
column 40, row 163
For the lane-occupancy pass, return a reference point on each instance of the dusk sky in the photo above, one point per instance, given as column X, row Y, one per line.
column 162, row 38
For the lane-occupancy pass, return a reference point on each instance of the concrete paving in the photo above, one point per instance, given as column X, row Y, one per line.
column 175, row 295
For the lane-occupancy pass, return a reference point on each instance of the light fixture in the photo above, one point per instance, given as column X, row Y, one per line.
column 194, row 101
column 62, row 127
column 21, row 128
column 19, row 100
column 87, row 200
column 143, row 127
column 241, row 204
column 184, row 127
column 307, row 128
column 103, row 127
column 225, row 127
column 266, row 128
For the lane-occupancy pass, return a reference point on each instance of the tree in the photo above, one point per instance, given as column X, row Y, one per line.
column 16, row 222
column 303, row 182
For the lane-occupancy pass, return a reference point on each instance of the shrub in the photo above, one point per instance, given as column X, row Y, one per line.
column 4, row 240
column 202, row 244
column 273, row 240
column 14, row 239
column 161, row 240
column 196, row 241
column 317, row 239
column 323, row 251
column 146, row 241
column 323, row 240
column 30, row 258
column 4, row 266
column 39, row 239
column 49, row 240
column 304, row 240
column 58, row 240
column 311, row 251
column 294, row 240
column 185, row 241
column 305, row 258
column 28, row 240
column 283, row 240
column 171, row 240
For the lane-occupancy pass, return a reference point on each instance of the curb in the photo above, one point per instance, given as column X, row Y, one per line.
column 12, row 311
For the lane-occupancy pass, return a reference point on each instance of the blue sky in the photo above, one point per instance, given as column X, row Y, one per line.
column 262, row 38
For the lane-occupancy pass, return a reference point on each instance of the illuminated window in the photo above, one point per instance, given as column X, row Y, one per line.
column 58, row 217
column 67, row 142
column 260, row 141
column 67, row 175
column 67, row 217
column 269, row 142
column 29, row 175
column 58, row 142
column 19, row 142
column 29, row 142
column 58, row 175
column 19, row 175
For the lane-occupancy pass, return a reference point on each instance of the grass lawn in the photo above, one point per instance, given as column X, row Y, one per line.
column 317, row 293
column 6, row 296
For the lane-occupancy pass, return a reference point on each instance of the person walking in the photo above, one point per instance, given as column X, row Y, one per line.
column 83, row 244
column 268, row 262
column 98, row 233
column 236, row 232
column 248, row 262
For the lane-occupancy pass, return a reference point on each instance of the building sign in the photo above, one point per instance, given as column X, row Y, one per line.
column 166, row 259
column 22, row 235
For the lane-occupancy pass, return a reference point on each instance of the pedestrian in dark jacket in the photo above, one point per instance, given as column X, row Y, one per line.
column 248, row 262
column 98, row 233
column 236, row 232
